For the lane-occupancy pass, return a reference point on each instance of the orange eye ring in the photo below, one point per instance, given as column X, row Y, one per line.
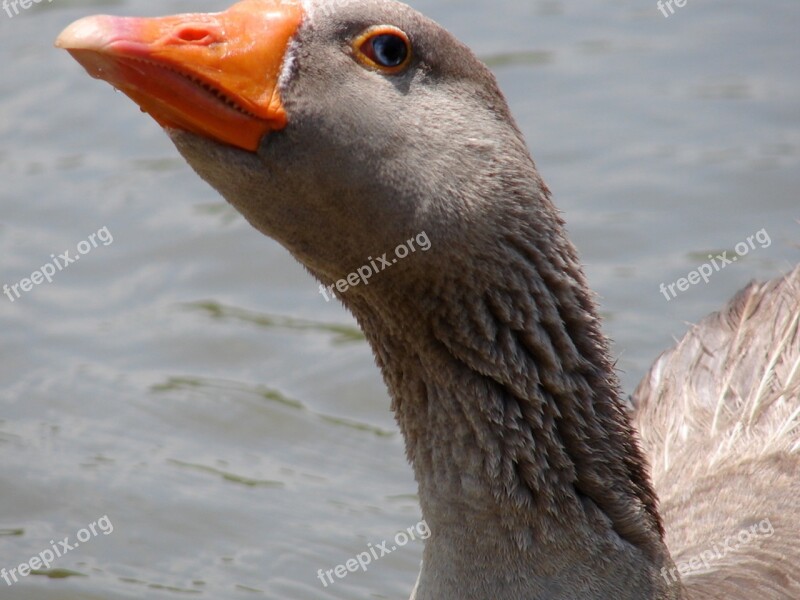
column 384, row 48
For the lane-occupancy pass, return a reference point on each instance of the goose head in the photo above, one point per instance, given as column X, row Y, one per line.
column 343, row 129
column 367, row 123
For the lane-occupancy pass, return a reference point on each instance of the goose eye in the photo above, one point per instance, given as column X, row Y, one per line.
column 385, row 48
column 388, row 50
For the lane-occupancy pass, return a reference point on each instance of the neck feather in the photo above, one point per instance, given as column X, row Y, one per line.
column 503, row 388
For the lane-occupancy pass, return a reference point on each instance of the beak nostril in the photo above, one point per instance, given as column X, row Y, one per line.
column 195, row 35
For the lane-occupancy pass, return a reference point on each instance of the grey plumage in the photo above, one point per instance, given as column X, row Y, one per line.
column 531, row 476
column 719, row 419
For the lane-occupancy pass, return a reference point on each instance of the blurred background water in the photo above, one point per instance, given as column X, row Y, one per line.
column 188, row 380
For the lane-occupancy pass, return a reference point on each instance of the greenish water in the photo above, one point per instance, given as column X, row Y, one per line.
column 188, row 381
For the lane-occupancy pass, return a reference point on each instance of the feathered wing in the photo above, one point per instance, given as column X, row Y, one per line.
column 719, row 418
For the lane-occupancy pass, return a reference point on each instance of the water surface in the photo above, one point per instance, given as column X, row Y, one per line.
column 188, row 380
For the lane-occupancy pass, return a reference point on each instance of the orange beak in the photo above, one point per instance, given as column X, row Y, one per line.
column 215, row 75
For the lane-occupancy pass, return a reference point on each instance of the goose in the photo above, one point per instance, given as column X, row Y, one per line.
column 343, row 127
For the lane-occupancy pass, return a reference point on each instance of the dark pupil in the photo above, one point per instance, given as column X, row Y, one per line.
column 390, row 50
